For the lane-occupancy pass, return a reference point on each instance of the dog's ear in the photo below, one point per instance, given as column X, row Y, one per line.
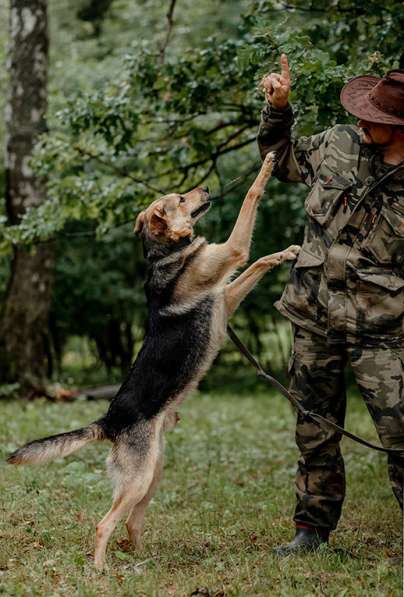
column 139, row 223
column 157, row 222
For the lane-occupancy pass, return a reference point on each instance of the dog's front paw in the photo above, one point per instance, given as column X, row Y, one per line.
column 268, row 163
column 270, row 261
column 291, row 252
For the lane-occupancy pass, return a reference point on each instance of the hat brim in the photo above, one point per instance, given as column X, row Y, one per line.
column 355, row 99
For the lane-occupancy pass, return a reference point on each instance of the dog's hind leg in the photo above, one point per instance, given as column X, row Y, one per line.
column 120, row 506
column 135, row 521
column 236, row 291
column 127, row 495
column 132, row 464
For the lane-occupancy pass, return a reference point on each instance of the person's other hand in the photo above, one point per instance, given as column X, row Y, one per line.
column 277, row 86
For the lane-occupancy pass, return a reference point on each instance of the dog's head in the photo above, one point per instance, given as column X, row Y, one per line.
column 172, row 217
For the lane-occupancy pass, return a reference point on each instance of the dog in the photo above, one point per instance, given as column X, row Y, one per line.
column 191, row 295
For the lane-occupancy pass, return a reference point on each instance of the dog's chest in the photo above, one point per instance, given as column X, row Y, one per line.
column 218, row 323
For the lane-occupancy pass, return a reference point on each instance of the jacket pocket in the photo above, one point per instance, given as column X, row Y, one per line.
column 389, row 282
column 326, row 196
column 379, row 305
column 386, row 241
column 306, row 295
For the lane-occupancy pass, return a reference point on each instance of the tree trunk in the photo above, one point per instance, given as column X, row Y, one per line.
column 25, row 319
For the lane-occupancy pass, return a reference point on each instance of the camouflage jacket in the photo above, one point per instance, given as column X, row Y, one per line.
column 348, row 281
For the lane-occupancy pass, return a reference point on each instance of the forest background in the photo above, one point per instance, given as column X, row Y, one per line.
column 107, row 104
column 144, row 98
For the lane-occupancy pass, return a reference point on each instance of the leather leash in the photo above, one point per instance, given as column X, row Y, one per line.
column 298, row 406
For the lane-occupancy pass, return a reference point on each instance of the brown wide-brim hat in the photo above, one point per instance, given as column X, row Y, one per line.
column 376, row 99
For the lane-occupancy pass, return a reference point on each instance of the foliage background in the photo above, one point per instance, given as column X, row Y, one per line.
column 123, row 125
column 139, row 106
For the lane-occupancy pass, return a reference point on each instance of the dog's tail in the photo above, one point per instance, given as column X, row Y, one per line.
column 57, row 446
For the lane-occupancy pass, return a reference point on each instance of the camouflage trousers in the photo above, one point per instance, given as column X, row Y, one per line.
column 317, row 379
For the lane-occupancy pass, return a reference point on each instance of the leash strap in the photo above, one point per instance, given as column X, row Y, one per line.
column 296, row 403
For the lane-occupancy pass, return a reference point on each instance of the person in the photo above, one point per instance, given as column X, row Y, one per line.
column 345, row 295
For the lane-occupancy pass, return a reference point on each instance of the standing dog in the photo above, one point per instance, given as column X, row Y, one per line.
column 190, row 300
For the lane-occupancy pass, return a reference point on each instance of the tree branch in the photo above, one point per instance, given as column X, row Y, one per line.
column 170, row 25
column 116, row 169
column 203, row 177
column 233, row 136
column 236, row 182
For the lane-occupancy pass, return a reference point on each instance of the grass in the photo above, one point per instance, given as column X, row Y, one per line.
column 225, row 501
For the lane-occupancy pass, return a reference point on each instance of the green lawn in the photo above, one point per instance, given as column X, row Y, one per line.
column 225, row 501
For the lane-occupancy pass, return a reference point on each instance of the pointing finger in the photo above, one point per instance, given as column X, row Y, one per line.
column 285, row 67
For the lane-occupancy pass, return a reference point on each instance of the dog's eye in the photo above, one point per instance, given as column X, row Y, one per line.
column 182, row 199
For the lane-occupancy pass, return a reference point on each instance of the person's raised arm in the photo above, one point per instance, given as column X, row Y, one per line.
column 296, row 160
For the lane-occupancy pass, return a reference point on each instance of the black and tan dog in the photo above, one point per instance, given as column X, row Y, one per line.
column 190, row 300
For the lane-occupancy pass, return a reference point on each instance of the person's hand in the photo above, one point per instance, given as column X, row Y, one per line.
column 277, row 86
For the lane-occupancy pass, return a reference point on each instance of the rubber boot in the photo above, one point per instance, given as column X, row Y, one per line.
column 307, row 539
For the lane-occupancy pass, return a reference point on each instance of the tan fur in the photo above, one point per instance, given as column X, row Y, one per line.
column 167, row 220
column 40, row 452
column 133, row 479
column 136, row 460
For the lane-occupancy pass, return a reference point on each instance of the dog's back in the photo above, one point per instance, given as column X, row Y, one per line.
column 177, row 350
column 177, row 345
column 190, row 300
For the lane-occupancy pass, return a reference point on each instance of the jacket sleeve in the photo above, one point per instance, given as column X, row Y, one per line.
column 297, row 160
